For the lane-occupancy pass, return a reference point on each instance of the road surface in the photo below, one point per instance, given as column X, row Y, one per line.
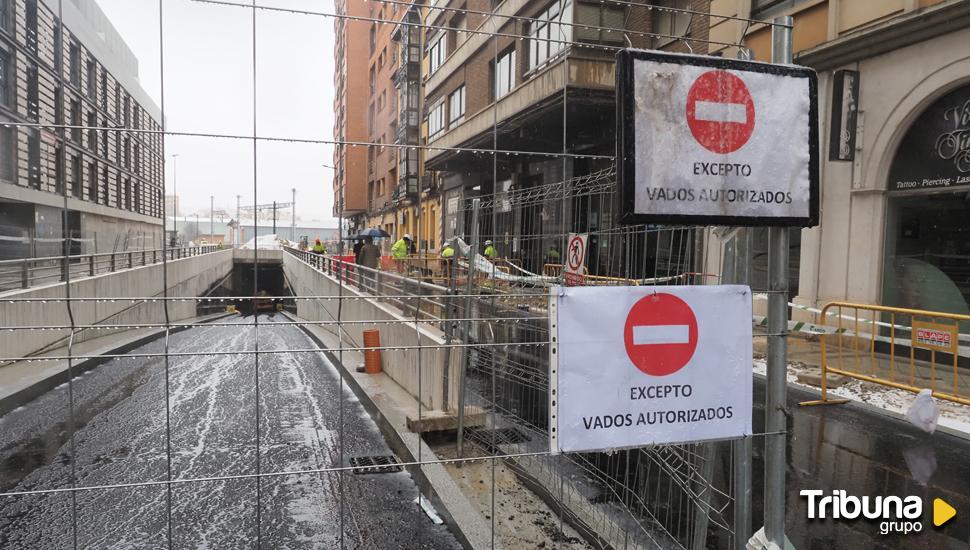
column 121, row 437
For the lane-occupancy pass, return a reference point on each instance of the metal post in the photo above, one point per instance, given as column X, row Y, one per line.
column 274, row 217
column 238, row 223
column 466, row 333
column 293, row 222
column 776, row 385
column 212, row 208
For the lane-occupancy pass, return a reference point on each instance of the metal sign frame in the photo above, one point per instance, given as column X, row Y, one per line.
column 626, row 142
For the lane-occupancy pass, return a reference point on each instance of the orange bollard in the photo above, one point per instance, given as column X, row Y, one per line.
column 372, row 357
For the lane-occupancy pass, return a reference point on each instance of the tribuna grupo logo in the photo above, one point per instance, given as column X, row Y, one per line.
column 894, row 514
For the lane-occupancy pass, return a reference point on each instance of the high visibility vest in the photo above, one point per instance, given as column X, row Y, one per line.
column 399, row 250
column 490, row 252
column 319, row 248
column 448, row 252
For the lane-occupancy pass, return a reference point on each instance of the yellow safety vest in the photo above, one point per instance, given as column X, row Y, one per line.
column 490, row 252
column 399, row 250
column 448, row 252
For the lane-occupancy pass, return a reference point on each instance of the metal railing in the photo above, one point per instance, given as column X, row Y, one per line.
column 30, row 272
column 896, row 347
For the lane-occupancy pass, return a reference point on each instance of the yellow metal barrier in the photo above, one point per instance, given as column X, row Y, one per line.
column 849, row 348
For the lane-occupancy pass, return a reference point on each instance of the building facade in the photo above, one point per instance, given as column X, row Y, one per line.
column 894, row 108
column 524, row 79
column 350, row 105
column 80, row 74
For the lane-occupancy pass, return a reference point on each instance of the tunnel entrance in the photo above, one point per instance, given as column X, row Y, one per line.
column 264, row 281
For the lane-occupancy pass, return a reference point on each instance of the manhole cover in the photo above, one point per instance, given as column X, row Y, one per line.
column 378, row 464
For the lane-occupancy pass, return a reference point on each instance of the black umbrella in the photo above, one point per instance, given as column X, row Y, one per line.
column 374, row 232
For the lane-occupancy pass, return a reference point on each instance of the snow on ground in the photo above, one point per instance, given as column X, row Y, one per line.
column 952, row 415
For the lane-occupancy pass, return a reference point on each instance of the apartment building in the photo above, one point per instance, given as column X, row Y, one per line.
column 894, row 108
column 79, row 72
column 532, row 77
column 350, row 179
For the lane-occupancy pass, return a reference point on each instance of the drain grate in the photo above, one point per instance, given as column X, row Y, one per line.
column 501, row 436
column 375, row 464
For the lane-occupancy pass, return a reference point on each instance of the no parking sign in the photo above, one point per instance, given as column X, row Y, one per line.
column 634, row 366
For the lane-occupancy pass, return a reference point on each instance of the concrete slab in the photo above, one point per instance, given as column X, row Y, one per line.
column 443, row 421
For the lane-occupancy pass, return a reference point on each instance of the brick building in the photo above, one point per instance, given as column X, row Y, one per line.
column 487, row 88
column 80, row 74
column 350, row 105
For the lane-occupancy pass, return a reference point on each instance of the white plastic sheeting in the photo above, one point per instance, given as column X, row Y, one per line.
column 265, row 242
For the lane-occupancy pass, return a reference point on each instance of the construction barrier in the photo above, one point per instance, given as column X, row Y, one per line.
column 907, row 349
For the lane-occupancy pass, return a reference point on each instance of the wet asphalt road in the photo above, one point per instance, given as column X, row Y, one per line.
column 845, row 447
column 121, row 436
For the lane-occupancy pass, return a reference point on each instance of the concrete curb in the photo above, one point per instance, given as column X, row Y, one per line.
column 124, row 344
column 466, row 523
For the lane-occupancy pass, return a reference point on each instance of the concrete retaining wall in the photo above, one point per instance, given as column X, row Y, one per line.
column 402, row 366
column 188, row 277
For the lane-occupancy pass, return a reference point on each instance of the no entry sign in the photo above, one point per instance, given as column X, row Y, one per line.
column 716, row 141
column 633, row 366
column 660, row 335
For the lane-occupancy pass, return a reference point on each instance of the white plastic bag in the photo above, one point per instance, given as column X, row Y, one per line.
column 924, row 413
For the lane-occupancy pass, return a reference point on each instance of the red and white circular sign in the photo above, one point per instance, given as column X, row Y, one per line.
column 575, row 253
column 660, row 334
column 720, row 111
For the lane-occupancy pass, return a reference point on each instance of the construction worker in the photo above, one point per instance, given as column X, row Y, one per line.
column 400, row 250
column 447, row 258
column 318, row 247
column 490, row 252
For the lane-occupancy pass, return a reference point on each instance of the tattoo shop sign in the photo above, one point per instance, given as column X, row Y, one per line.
column 716, row 141
column 635, row 366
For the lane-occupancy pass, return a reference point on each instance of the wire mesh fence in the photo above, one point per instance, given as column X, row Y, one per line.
column 254, row 431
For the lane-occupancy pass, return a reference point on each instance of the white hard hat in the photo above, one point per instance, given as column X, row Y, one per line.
column 407, row 236
column 488, row 241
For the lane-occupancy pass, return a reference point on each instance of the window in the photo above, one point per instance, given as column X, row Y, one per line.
column 76, row 121
column 104, row 91
column 373, row 38
column 504, row 74
column 92, row 182
column 127, row 152
column 127, row 194
column 594, row 22
column 547, row 35
column 137, row 159
column 127, row 111
column 7, row 79
column 76, row 172
column 436, row 52
column 92, row 80
column 75, row 64
column 103, row 187
column 92, row 133
column 671, row 24
column 6, row 15
column 8, row 154
column 456, row 107
column 30, row 14
column 33, row 95
column 436, row 120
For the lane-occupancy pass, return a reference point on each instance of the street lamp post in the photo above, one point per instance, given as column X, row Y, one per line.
column 212, row 207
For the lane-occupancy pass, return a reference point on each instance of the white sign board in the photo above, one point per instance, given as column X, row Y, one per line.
column 716, row 141
column 635, row 366
column 574, row 265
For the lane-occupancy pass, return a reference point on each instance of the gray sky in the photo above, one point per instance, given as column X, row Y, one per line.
column 208, row 88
